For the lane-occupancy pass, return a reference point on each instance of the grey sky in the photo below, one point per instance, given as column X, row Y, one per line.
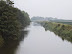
column 46, row 8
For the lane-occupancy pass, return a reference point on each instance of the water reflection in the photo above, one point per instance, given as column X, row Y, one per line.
column 40, row 41
column 56, row 33
column 11, row 46
column 69, row 39
column 35, row 24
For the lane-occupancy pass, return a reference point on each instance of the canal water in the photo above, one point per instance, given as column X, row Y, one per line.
column 39, row 41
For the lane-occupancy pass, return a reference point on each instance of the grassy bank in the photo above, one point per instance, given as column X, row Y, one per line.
column 70, row 23
column 62, row 30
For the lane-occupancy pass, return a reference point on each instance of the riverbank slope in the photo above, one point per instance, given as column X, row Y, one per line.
column 62, row 30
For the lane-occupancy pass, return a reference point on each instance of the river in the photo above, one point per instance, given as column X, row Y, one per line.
column 39, row 41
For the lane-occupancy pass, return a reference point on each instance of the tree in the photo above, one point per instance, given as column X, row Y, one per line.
column 9, row 25
column 10, row 3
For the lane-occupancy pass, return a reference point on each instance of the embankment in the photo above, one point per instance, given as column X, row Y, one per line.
column 62, row 30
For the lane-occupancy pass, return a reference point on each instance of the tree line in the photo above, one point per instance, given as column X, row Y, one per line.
column 12, row 20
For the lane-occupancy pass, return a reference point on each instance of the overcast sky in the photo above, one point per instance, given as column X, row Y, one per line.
column 46, row 8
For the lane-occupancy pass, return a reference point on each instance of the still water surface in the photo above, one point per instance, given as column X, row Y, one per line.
column 39, row 41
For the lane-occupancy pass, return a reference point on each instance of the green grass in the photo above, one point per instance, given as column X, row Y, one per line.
column 70, row 23
column 62, row 30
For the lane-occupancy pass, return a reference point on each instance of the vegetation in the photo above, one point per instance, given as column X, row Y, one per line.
column 34, row 19
column 62, row 30
column 12, row 20
column 66, row 22
column 23, row 18
column 51, row 19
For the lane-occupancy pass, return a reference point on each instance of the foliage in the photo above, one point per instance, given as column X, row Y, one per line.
column 62, row 30
column 23, row 18
column 9, row 26
column 11, row 21
column 70, row 23
column 1, row 41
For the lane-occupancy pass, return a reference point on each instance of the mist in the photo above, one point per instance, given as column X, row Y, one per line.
column 61, row 9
